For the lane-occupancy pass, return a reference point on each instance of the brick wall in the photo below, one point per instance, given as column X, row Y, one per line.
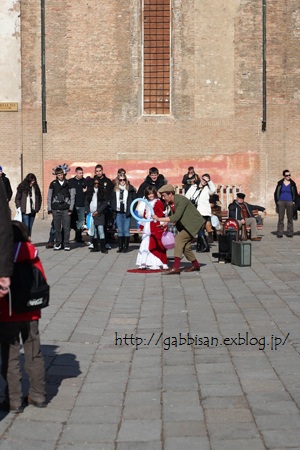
column 94, row 91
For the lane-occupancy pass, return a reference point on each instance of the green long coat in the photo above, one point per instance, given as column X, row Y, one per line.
column 187, row 215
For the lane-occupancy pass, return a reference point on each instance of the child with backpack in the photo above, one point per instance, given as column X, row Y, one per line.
column 25, row 324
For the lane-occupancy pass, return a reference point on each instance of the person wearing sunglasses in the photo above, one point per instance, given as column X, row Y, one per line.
column 285, row 197
column 96, row 204
column 121, row 198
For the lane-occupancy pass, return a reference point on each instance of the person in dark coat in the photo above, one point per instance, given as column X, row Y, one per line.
column 243, row 213
column 285, row 197
column 6, row 244
column 6, row 184
column 96, row 203
column 120, row 201
column 190, row 178
column 154, row 179
column 29, row 199
column 106, row 185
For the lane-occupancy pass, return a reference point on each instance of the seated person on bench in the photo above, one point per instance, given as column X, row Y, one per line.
column 243, row 213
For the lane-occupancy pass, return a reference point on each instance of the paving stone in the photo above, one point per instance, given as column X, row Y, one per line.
column 116, row 397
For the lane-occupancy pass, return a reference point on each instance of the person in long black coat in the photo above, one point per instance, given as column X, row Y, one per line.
column 6, row 243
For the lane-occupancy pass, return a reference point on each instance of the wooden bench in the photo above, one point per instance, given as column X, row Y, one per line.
column 225, row 216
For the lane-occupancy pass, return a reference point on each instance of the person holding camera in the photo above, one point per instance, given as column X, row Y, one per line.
column 189, row 179
column 60, row 200
column 200, row 197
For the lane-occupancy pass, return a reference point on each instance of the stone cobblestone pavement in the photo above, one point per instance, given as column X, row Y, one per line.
column 237, row 388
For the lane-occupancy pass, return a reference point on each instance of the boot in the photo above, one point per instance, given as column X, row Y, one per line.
column 199, row 247
column 126, row 244
column 205, row 248
column 103, row 246
column 78, row 237
column 96, row 245
column 121, row 244
column 210, row 237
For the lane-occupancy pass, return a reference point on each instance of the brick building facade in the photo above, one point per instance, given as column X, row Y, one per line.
column 96, row 91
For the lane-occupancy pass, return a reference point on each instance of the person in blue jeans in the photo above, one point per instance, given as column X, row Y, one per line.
column 121, row 198
column 29, row 199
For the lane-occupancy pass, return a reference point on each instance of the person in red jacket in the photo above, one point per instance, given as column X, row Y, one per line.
column 152, row 254
column 26, row 325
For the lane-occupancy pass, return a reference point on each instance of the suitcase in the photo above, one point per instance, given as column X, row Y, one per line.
column 241, row 253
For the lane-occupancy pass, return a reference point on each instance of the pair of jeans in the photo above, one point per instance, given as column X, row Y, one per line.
column 123, row 224
column 28, row 220
column 80, row 217
column 61, row 218
column 34, row 363
column 99, row 232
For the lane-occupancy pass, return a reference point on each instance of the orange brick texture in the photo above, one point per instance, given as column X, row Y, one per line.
column 94, row 93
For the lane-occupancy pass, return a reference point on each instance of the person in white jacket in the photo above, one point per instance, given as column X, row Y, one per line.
column 199, row 196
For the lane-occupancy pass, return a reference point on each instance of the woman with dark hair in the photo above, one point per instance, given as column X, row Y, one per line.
column 29, row 199
column 285, row 197
column 152, row 254
column 96, row 203
column 120, row 201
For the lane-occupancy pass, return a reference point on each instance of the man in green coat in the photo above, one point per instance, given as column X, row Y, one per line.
column 188, row 222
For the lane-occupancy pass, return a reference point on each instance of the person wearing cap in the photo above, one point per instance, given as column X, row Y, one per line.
column 188, row 223
column 189, row 179
column 243, row 213
column 285, row 197
column 6, row 184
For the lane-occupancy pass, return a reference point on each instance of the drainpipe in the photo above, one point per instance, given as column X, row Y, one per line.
column 43, row 67
column 264, row 80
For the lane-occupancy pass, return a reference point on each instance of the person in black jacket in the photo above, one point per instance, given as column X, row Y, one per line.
column 120, row 201
column 96, row 204
column 61, row 199
column 106, row 185
column 243, row 213
column 190, row 178
column 79, row 183
column 6, row 244
column 154, row 179
column 6, row 184
column 29, row 199
column 285, row 197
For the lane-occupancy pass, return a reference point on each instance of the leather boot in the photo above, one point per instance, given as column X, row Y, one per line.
column 96, row 245
column 103, row 246
column 205, row 248
column 210, row 237
column 199, row 247
column 121, row 244
column 78, row 237
column 126, row 244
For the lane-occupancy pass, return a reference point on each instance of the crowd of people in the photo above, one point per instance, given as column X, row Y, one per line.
column 106, row 202
column 70, row 202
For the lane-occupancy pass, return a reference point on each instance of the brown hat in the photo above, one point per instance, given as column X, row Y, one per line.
column 166, row 188
column 240, row 195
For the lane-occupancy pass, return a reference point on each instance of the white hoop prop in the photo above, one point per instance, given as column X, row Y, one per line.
column 137, row 218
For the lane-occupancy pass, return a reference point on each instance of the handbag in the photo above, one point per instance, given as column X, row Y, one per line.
column 18, row 215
